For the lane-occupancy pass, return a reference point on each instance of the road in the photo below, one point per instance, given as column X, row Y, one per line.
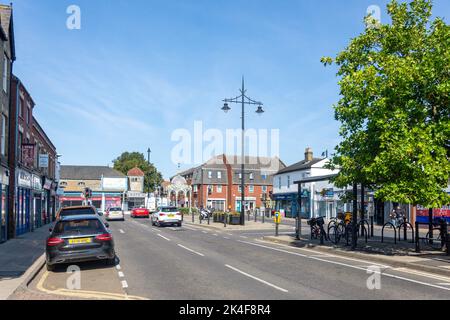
column 197, row 263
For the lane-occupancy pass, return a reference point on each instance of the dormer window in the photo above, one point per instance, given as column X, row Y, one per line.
column 81, row 184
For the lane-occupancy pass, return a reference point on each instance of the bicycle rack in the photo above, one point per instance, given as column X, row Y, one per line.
column 395, row 232
column 363, row 223
column 405, row 226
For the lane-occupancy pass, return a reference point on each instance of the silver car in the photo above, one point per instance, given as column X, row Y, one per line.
column 114, row 213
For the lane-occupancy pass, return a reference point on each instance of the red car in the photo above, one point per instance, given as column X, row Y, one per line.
column 140, row 213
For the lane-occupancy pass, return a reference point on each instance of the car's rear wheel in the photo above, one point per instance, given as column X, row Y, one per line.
column 180, row 225
column 50, row 267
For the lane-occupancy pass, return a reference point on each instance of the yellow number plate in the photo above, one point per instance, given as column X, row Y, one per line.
column 171, row 215
column 80, row 241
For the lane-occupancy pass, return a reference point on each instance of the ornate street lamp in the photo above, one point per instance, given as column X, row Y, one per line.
column 243, row 100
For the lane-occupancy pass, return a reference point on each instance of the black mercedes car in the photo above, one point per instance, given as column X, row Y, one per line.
column 77, row 239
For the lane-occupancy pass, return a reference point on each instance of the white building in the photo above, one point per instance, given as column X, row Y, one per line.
column 285, row 191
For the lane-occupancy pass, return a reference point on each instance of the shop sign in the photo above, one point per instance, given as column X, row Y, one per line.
column 28, row 154
column 132, row 194
column 47, row 184
column 114, row 184
column 43, row 161
column 24, row 179
column 37, row 182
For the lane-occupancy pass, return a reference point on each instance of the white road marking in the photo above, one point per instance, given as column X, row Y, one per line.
column 124, row 284
column 257, row 279
column 226, row 238
column 443, row 284
column 424, row 274
column 121, row 275
column 243, row 237
column 121, row 231
column 354, row 267
column 160, row 235
column 200, row 254
column 204, row 232
column 275, row 249
column 189, row 228
column 118, row 267
column 215, row 235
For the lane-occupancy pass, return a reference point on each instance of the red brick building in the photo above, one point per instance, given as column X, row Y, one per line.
column 217, row 183
column 32, row 158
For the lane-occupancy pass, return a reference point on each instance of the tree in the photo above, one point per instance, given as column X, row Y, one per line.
column 395, row 107
column 130, row 160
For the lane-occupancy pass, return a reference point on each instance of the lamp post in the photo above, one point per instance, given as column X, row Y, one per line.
column 243, row 100
column 149, row 151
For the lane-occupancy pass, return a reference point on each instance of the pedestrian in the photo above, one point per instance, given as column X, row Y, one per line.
column 393, row 216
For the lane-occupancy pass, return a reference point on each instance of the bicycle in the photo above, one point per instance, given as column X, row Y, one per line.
column 317, row 229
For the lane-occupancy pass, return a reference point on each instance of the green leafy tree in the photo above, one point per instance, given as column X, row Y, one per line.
column 129, row 160
column 395, row 108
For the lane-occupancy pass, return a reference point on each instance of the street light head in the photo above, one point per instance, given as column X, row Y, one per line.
column 226, row 108
column 260, row 110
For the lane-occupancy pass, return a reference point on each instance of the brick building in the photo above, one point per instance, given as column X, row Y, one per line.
column 33, row 162
column 217, row 183
column 7, row 58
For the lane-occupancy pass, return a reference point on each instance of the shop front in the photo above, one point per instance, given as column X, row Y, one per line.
column 288, row 202
column 37, row 198
column 47, row 206
column 135, row 200
column 4, row 204
column 23, row 202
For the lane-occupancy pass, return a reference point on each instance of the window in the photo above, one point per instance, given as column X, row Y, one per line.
column 219, row 189
column 279, row 182
column 81, row 184
column 264, row 189
column 219, row 175
column 195, row 188
column 288, row 181
column 20, row 107
column 240, row 188
column 209, row 174
column 5, row 73
column 251, row 188
column 63, row 184
column 251, row 176
column 264, row 176
column 3, row 136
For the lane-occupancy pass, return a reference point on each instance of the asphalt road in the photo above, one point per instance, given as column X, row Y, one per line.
column 197, row 263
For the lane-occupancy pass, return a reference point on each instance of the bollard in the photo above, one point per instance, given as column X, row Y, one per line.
column 405, row 229
column 264, row 216
column 256, row 217
column 225, row 217
column 417, row 238
column 193, row 219
column 321, row 238
column 371, row 226
column 208, row 219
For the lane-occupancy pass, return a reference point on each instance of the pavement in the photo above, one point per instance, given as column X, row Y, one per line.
column 200, row 262
column 20, row 258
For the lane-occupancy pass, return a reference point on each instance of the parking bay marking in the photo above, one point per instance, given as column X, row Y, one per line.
column 257, row 279
column 121, row 231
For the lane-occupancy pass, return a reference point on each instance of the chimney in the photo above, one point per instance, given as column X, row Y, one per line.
column 309, row 154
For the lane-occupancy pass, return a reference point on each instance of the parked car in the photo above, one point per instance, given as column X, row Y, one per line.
column 167, row 216
column 77, row 239
column 140, row 213
column 77, row 211
column 115, row 213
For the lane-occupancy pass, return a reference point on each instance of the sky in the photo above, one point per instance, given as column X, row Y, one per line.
column 138, row 70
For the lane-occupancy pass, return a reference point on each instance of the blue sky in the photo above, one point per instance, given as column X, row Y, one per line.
column 137, row 70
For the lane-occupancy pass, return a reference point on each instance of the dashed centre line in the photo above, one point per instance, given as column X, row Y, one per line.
column 190, row 250
column 257, row 279
column 160, row 235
